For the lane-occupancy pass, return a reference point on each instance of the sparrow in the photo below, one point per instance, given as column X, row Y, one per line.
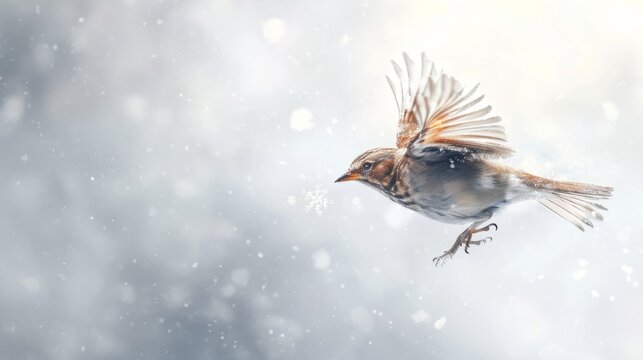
column 443, row 163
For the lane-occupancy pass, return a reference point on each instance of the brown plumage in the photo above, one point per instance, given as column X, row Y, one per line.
column 442, row 165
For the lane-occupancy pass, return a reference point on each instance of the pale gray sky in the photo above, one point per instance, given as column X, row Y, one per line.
column 167, row 182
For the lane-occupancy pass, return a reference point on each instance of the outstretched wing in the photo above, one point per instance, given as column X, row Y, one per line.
column 436, row 115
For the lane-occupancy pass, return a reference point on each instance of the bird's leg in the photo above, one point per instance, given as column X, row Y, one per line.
column 465, row 239
column 462, row 238
column 478, row 242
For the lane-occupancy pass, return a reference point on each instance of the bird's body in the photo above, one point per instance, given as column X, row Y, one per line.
column 443, row 168
column 451, row 191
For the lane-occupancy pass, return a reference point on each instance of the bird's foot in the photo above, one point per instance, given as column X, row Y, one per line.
column 464, row 239
column 448, row 254
column 480, row 242
column 442, row 259
column 468, row 242
column 486, row 228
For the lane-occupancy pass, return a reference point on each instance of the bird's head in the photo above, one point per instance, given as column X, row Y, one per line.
column 373, row 167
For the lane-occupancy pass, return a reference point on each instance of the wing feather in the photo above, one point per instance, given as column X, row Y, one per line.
column 397, row 101
column 440, row 115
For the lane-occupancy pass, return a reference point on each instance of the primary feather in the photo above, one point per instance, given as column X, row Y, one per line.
column 438, row 116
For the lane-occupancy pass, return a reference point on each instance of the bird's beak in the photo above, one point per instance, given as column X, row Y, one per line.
column 348, row 177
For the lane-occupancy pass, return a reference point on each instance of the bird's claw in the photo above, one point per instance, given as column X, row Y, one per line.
column 465, row 240
column 440, row 260
column 486, row 228
column 481, row 241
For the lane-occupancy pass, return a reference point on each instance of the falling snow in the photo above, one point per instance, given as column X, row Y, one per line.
column 439, row 323
column 274, row 30
column 321, row 259
column 176, row 202
column 420, row 316
column 610, row 111
column 301, row 119
column 579, row 274
column 316, row 200
column 582, row 272
column 627, row 269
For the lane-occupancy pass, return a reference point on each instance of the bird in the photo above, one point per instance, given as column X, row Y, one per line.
column 445, row 165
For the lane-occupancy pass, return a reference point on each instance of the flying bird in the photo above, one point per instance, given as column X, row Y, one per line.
column 442, row 165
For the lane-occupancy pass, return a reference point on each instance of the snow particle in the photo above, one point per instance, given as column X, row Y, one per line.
column 301, row 119
column 274, row 30
column 321, row 259
column 195, row 265
column 439, row 323
column 579, row 274
column 291, row 200
column 610, row 110
column 317, row 200
column 628, row 270
column 420, row 316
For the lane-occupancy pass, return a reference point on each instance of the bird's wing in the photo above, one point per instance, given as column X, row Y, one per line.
column 437, row 116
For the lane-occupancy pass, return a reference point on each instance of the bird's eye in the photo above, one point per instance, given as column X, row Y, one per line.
column 367, row 166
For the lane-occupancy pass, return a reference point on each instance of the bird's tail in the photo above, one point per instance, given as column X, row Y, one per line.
column 573, row 201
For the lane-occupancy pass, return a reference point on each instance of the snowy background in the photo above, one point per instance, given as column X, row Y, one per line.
column 167, row 184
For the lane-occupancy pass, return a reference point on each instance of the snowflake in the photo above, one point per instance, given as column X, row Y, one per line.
column 291, row 200
column 356, row 201
column 439, row 323
column 317, row 200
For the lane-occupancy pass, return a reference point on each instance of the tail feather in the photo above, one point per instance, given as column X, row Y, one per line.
column 573, row 201
column 565, row 214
